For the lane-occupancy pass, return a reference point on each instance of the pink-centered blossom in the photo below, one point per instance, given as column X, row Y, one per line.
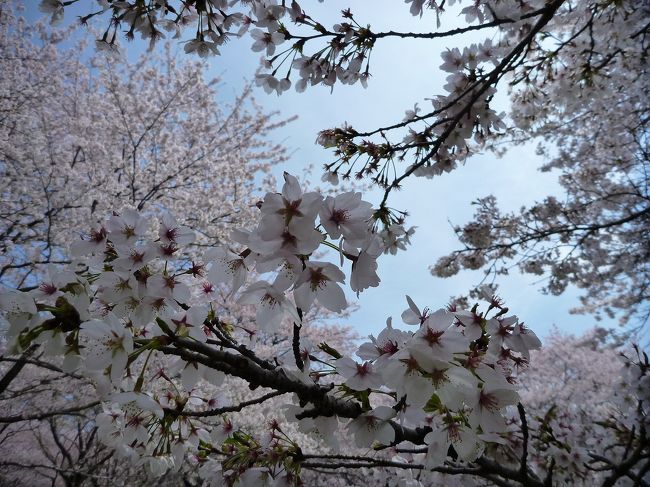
column 487, row 405
column 364, row 266
column 171, row 232
column 126, row 227
column 51, row 286
column 271, row 303
column 373, row 426
column 227, row 267
column 437, row 337
column 452, row 432
column 406, row 375
column 346, row 215
column 319, row 282
column 359, row 376
column 109, row 343
column 381, row 349
column 412, row 315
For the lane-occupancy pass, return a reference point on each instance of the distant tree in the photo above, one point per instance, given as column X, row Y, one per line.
column 77, row 141
column 586, row 100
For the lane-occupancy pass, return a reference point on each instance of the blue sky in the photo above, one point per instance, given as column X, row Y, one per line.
column 405, row 72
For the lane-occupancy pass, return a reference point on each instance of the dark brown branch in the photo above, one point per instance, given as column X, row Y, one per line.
column 230, row 409
column 44, row 365
column 296, row 347
column 624, row 468
column 15, row 369
column 255, row 375
column 493, row 78
column 360, row 462
column 459, row 30
column 482, row 468
column 523, row 468
column 40, row 416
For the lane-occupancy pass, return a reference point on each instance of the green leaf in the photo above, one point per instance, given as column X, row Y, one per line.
column 332, row 352
column 433, row 404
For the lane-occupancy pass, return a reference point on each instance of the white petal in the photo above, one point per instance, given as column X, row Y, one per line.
column 118, row 365
column 332, row 297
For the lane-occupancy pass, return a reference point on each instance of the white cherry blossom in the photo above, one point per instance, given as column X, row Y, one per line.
column 438, row 337
column 364, row 267
column 319, row 282
column 126, row 227
column 346, row 215
column 50, row 287
column 373, row 426
column 358, row 376
column 170, row 232
column 451, row 432
column 271, row 303
column 413, row 315
column 227, row 267
column 109, row 344
column 381, row 349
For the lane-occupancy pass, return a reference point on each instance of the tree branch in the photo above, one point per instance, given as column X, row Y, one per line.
column 40, row 416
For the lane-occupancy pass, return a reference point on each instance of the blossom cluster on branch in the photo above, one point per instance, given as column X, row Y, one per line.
column 128, row 299
column 587, row 104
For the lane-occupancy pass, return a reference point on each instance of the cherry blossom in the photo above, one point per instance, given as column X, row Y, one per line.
column 170, row 232
column 364, row 266
column 373, row 426
column 272, row 305
column 451, row 433
column 226, row 267
column 440, row 383
column 91, row 134
column 319, row 282
column 387, row 343
column 413, row 315
column 126, row 227
column 347, row 215
column 265, row 41
column 50, row 287
column 489, row 402
column 358, row 376
column 404, row 375
column 437, row 335
column 109, row 344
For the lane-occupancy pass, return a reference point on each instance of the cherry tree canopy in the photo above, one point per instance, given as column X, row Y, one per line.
column 77, row 141
column 438, row 402
column 566, row 63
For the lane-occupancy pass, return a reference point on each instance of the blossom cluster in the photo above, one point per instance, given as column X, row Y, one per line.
column 455, row 374
column 129, row 289
column 130, row 299
column 591, row 236
column 345, row 59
